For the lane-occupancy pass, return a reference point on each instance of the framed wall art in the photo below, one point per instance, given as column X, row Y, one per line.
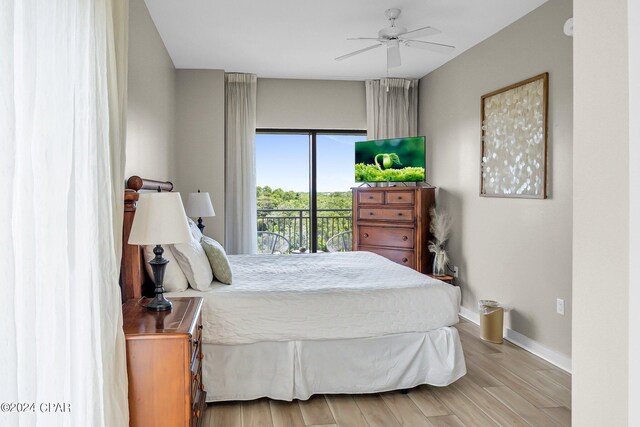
column 514, row 140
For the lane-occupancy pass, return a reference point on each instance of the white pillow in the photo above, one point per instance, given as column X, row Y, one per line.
column 195, row 231
column 194, row 264
column 174, row 278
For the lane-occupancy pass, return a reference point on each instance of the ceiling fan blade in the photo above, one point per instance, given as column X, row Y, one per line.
column 393, row 56
column 362, row 38
column 349, row 55
column 435, row 47
column 421, row 32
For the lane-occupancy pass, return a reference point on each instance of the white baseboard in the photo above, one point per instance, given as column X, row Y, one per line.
column 558, row 359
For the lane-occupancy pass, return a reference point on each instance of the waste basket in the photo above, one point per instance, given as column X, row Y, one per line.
column 491, row 320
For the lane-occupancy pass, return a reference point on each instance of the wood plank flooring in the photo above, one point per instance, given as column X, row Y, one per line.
column 505, row 386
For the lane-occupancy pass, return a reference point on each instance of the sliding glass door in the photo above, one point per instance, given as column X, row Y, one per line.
column 335, row 157
column 304, row 198
column 282, row 179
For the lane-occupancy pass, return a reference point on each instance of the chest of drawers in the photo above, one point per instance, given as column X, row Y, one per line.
column 394, row 222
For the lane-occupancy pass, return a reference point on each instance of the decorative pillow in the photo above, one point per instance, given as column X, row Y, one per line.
column 174, row 278
column 218, row 260
column 194, row 263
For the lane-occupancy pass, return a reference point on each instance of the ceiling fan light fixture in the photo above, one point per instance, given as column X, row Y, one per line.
column 393, row 36
column 391, row 32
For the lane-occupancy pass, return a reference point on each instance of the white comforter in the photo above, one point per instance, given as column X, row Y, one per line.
column 323, row 296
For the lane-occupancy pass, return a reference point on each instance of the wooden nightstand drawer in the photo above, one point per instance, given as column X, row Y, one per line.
column 381, row 214
column 196, row 342
column 400, row 197
column 196, row 379
column 371, row 198
column 386, row 236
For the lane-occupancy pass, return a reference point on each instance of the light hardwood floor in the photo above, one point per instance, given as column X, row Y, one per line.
column 505, row 386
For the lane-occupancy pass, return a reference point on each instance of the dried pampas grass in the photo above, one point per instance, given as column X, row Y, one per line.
column 440, row 227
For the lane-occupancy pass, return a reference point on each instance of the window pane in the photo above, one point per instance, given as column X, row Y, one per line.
column 335, row 157
column 282, row 178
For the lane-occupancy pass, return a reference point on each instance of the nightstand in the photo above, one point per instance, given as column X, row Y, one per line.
column 446, row 279
column 164, row 364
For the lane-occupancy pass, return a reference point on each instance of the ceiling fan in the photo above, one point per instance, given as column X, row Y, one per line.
column 393, row 36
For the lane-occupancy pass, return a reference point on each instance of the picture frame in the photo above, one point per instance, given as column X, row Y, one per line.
column 514, row 137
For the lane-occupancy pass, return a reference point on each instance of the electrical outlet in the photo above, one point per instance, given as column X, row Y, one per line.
column 560, row 306
column 455, row 271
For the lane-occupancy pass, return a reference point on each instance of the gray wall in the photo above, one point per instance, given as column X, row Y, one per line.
column 311, row 104
column 513, row 250
column 175, row 119
column 151, row 100
column 200, row 142
column 601, row 217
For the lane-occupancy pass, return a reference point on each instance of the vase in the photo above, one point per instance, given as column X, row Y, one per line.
column 440, row 263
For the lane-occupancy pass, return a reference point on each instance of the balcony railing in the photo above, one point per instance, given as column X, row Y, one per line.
column 295, row 225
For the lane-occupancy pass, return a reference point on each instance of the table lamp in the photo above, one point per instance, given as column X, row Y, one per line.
column 160, row 219
column 199, row 205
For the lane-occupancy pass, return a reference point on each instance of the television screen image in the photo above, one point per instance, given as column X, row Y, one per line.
column 392, row 160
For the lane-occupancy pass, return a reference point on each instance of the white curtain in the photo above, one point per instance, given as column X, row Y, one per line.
column 392, row 108
column 62, row 109
column 240, row 136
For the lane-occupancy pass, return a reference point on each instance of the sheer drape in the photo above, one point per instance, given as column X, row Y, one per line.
column 392, row 108
column 240, row 134
column 62, row 109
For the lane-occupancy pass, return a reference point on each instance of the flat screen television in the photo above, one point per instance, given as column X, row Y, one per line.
column 391, row 160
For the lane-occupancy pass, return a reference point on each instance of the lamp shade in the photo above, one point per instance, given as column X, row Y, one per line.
column 199, row 205
column 159, row 219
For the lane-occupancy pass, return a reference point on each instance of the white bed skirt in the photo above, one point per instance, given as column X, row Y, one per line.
column 298, row 369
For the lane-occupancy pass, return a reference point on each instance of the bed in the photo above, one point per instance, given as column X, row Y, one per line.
column 293, row 326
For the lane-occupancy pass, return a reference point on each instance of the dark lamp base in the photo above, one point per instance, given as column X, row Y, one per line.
column 201, row 225
column 158, row 265
column 159, row 303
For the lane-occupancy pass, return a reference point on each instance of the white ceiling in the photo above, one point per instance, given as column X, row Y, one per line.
column 301, row 38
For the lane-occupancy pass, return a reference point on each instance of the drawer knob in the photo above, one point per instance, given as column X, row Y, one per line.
column 370, row 197
column 399, row 213
column 399, row 197
column 405, row 259
column 370, row 213
column 366, row 235
column 405, row 238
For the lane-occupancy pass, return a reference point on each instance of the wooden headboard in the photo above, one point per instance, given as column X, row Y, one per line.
column 134, row 282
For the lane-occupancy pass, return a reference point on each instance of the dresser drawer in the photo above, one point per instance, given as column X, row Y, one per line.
column 371, row 197
column 386, row 236
column 405, row 258
column 383, row 214
column 400, row 197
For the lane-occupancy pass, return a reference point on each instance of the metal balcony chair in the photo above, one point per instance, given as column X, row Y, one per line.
column 272, row 243
column 340, row 242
